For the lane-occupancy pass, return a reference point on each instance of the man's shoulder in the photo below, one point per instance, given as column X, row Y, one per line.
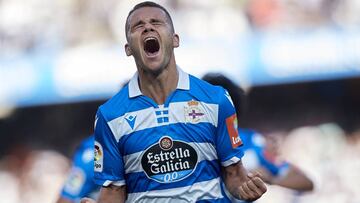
column 116, row 105
column 207, row 91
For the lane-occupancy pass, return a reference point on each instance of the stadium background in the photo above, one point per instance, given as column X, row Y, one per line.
column 299, row 62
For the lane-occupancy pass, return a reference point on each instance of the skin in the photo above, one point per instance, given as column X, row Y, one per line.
column 243, row 185
column 110, row 194
column 158, row 77
column 63, row 200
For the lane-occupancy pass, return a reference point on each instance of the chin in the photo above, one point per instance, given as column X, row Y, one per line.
column 154, row 67
column 154, row 70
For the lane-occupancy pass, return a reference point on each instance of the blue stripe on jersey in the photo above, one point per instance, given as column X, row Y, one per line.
column 222, row 200
column 175, row 131
column 116, row 139
column 200, row 91
column 205, row 170
column 125, row 105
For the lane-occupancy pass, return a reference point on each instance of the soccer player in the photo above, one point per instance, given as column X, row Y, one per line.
column 167, row 136
column 261, row 153
column 80, row 179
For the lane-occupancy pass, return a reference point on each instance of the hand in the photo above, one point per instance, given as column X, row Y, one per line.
column 253, row 188
column 265, row 174
column 87, row 200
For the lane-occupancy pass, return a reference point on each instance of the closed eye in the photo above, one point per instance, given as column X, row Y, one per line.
column 156, row 22
column 138, row 25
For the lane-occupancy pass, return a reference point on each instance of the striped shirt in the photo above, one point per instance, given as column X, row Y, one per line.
column 171, row 152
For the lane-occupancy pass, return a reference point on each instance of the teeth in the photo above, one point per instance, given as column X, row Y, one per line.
column 150, row 38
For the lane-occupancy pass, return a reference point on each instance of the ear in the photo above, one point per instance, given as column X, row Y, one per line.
column 176, row 40
column 128, row 50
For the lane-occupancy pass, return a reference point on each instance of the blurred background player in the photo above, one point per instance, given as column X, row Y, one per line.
column 261, row 152
column 79, row 182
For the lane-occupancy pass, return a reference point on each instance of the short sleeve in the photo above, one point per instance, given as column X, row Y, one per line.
column 108, row 162
column 79, row 182
column 228, row 142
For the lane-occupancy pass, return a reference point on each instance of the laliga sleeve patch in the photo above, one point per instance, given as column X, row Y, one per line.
column 231, row 124
column 98, row 157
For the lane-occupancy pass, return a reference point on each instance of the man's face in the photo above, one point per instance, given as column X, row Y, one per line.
column 151, row 39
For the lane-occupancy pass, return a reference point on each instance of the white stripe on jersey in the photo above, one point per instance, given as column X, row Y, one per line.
column 146, row 118
column 233, row 160
column 206, row 151
column 117, row 183
column 177, row 112
column 210, row 189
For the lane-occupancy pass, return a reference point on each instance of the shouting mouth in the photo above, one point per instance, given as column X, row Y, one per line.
column 151, row 46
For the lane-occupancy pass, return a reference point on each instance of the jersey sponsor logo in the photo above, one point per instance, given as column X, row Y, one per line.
column 130, row 120
column 98, row 157
column 231, row 124
column 169, row 160
column 193, row 113
column 75, row 181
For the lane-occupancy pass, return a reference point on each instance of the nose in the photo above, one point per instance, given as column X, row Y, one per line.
column 148, row 27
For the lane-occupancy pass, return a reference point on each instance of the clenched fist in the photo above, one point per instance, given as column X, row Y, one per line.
column 253, row 188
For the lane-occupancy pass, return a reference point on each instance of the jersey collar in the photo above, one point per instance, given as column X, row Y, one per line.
column 183, row 83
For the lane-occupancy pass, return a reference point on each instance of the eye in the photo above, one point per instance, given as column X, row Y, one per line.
column 156, row 22
column 137, row 25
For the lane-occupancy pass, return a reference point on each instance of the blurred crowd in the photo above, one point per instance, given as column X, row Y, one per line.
column 329, row 156
column 31, row 25
column 34, row 176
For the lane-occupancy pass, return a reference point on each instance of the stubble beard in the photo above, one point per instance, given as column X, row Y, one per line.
column 154, row 72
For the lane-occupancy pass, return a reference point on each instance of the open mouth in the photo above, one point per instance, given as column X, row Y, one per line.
column 151, row 46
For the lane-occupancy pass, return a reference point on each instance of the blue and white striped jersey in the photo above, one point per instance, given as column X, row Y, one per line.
column 171, row 152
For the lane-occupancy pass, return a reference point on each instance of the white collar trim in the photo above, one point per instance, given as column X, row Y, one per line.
column 183, row 83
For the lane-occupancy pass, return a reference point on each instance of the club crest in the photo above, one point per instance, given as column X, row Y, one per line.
column 193, row 113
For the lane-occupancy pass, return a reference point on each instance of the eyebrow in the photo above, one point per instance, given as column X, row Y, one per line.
column 156, row 20
column 152, row 20
column 137, row 23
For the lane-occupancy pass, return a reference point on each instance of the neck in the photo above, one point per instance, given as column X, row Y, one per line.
column 159, row 86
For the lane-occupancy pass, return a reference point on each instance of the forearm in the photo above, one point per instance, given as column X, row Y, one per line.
column 242, row 185
column 112, row 194
column 294, row 179
column 233, row 176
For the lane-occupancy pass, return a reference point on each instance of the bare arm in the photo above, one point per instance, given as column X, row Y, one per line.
column 294, row 179
column 110, row 194
column 241, row 185
column 63, row 200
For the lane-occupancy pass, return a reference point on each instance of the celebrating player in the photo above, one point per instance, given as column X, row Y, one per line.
column 167, row 136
